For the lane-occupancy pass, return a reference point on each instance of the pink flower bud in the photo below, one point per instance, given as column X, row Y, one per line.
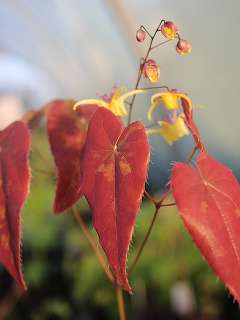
column 151, row 70
column 140, row 35
column 169, row 30
column 183, row 47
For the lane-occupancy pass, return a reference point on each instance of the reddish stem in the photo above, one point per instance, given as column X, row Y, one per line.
column 158, row 205
column 141, row 71
column 121, row 306
column 93, row 245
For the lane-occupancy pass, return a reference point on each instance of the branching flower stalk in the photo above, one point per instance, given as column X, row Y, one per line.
column 115, row 103
column 140, row 73
column 100, row 158
column 158, row 205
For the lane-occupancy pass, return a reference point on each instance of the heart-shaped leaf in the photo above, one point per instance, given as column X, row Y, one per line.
column 67, row 129
column 114, row 172
column 208, row 199
column 14, row 186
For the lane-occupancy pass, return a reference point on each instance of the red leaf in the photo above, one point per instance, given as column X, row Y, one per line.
column 115, row 167
column 67, row 130
column 187, row 109
column 14, row 186
column 208, row 199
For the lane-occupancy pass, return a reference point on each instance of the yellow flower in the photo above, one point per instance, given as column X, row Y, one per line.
column 114, row 102
column 171, row 131
column 169, row 99
column 173, row 128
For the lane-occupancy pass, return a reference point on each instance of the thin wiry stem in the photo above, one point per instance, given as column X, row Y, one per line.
column 149, row 34
column 137, row 84
column 169, row 204
column 160, row 44
column 154, row 88
column 150, row 48
column 93, row 244
column 135, row 261
column 147, row 195
column 158, row 205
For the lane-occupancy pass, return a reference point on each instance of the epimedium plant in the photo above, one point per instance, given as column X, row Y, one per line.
column 101, row 159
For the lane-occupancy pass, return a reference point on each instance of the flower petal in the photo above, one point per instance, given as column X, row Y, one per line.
column 171, row 132
column 98, row 102
column 122, row 98
column 152, row 108
column 169, row 99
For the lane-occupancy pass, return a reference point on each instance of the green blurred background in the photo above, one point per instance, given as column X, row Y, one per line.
column 171, row 280
column 75, row 49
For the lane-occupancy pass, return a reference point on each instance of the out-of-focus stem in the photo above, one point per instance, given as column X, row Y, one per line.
column 8, row 302
column 121, row 306
column 93, row 244
column 135, row 261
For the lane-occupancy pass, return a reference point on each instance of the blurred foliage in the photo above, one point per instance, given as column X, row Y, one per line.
column 66, row 282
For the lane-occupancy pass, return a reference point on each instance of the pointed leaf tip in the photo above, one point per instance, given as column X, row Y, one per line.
column 208, row 199
column 14, row 188
column 114, row 173
column 188, row 113
column 67, row 129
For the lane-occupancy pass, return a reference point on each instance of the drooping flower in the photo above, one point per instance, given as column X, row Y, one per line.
column 140, row 35
column 113, row 102
column 169, row 99
column 183, row 47
column 171, row 130
column 151, row 70
column 169, row 30
column 172, row 127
